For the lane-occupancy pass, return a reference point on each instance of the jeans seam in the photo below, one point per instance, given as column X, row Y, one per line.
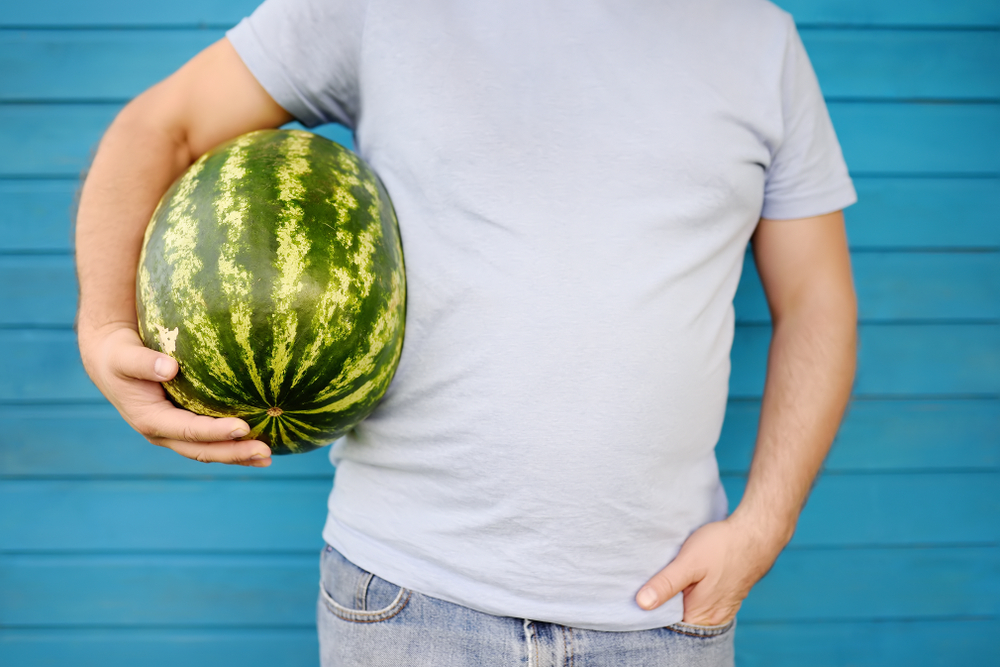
column 701, row 632
column 361, row 593
column 355, row 616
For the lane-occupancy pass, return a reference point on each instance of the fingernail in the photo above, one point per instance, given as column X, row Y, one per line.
column 646, row 598
column 160, row 367
column 258, row 457
column 238, row 433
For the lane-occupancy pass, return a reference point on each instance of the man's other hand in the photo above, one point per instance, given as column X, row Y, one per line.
column 129, row 374
column 715, row 569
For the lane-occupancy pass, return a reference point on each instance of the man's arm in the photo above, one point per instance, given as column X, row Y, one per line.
column 211, row 99
column 804, row 266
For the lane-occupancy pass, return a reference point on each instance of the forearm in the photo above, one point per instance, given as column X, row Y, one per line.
column 136, row 162
column 810, row 370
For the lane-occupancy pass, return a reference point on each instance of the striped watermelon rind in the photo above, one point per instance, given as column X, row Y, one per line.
column 272, row 270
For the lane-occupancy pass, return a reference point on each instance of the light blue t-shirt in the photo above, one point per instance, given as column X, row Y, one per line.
column 576, row 182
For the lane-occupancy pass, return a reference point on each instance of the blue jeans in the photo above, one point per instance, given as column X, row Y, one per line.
column 365, row 621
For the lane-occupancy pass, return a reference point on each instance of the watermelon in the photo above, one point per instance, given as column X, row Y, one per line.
column 272, row 271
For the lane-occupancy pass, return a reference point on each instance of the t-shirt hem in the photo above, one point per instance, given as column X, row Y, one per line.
column 812, row 204
column 405, row 571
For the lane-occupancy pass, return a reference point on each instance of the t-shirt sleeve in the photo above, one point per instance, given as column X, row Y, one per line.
column 807, row 175
column 305, row 53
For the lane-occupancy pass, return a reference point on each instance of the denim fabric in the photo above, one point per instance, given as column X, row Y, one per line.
column 365, row 621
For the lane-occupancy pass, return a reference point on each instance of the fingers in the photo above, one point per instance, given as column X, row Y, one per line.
column 667, row 583
column 251, row 453
column 129, row 374
column 171, row 423
column 139, row 362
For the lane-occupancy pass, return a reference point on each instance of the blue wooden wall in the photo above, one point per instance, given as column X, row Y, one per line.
column 114, row 552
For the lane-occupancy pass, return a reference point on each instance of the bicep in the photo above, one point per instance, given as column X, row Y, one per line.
column 209, row 100
column 804, row 263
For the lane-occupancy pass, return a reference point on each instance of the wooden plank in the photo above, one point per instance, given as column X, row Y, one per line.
column 969, row 642
column 35, row 215
column 905, row 64
column 159, row 647
column 893, row 12
column 914, row 213
column 878, row 584
column 267, row 591
column 287, row 515
column 877, row 137
column 924, row 213
column 51, row 139
column 111, row 65
column 155, row 590
column 887, row 137
column 877, row 435
column 85, row 440
column 886, row 435
column 56, row 140
column 895, row 509
column 38, row 290
column 228, row 12
column 126, row 13
column 895, row 359
column 43, row 365
column 903, row 286
column 164, row 515
column 119, row 64
column 41, row 290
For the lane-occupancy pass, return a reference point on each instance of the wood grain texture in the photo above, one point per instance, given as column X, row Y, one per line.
column 910, row 64
column 895, row 560
column 160, row 647
column 886, row 435
column 892, row 213
column 903, row 509
column 41, row 290
column 116, row 65
column 58, row 140
column 81, row 442
column 877, row 584
column 204, row 590
column 113, row 65
column 918, row 138
column 85, row 441
column 877, row 137
column 236, row 515
column 895, row 359
column 927, row 213
column 903, row 286
column 35, row 215
column 974, row 13
column 262, row 515
column 968, row 641
column 261, row 591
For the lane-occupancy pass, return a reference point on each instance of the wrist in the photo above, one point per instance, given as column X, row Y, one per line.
column 769, row 529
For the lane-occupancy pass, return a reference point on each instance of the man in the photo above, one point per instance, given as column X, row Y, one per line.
column 575, row 187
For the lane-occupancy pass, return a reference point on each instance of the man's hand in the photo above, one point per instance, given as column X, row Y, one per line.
column 129, row 374
column 805, row 269
column 715, row 569
column 211, row 99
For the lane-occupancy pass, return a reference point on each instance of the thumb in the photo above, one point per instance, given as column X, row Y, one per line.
column 667, row 583
column 139, row 362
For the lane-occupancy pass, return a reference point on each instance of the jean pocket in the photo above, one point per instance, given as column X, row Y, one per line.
column 704, row 631
column 354, row 594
